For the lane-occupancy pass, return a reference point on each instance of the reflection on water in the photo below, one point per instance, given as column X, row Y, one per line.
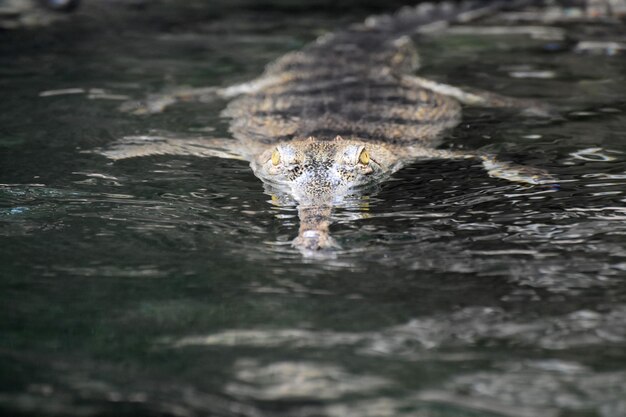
column 168, row 285
column 577, row 329
column 286, row 381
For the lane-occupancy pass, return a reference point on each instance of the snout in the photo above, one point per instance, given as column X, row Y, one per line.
column 314, row 240
column 314, row 232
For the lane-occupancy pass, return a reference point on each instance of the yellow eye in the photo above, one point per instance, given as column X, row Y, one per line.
column 364, row 157
column 275, row 157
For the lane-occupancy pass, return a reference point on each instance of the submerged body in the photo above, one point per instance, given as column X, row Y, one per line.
column 343, row 112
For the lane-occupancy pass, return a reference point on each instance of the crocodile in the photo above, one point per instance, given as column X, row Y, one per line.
column 347, row 110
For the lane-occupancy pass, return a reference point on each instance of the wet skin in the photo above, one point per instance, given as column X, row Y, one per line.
column 344, row 112
column 318, row 175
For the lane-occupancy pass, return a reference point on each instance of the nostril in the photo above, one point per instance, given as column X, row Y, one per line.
column 314, row 240
column 309, row 240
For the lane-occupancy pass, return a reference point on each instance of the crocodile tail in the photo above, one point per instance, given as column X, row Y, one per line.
column 433, row 16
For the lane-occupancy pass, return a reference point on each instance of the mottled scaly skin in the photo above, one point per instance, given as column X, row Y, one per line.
column 344, row 91
column 348, row 84
column 342, row 112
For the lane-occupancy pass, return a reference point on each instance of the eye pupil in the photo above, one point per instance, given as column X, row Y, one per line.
column 275, row 158
column 364, row 157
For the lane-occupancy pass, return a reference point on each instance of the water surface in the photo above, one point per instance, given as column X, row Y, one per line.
column 168, row 285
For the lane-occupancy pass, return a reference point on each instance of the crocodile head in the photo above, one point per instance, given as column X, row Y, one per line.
column 319, row 174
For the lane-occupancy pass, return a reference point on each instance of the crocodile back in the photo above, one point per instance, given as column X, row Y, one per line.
column 350, row 83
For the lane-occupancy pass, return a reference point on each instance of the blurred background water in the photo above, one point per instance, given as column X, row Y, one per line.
column 167, row 286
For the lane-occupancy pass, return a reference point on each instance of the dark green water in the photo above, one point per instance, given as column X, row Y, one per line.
column 167, row 285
